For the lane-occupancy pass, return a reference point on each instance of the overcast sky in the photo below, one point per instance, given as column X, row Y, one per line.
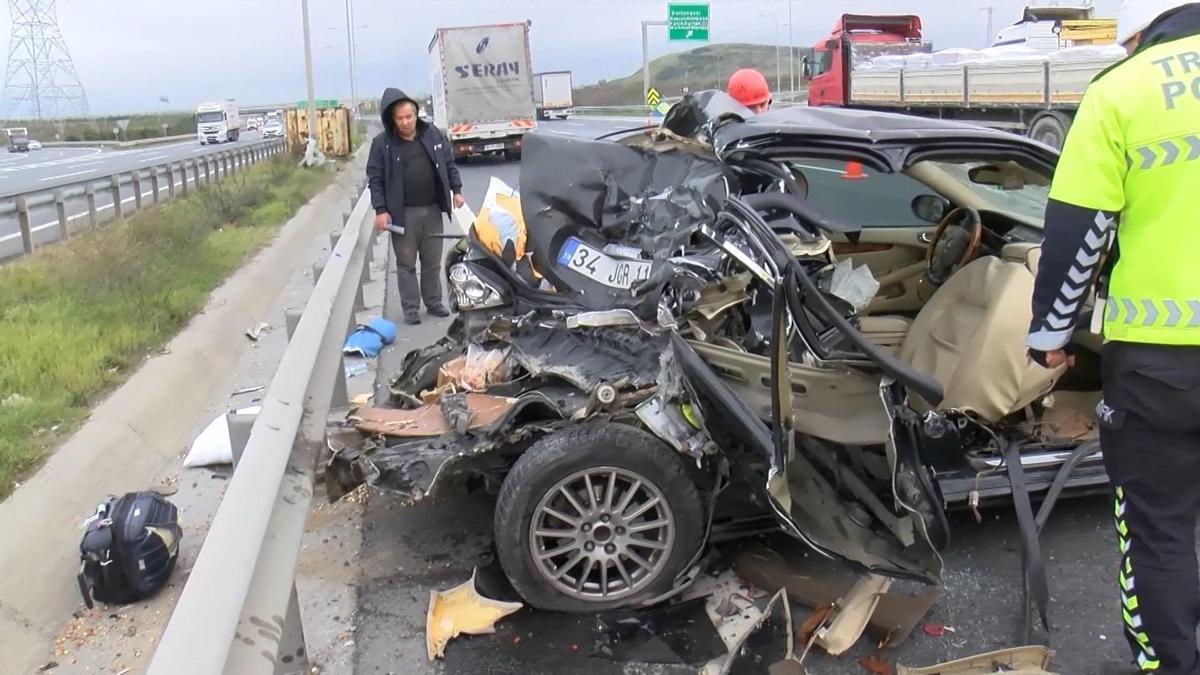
column 128, row 53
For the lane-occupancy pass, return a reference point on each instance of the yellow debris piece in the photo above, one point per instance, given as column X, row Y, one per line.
column 461, row 610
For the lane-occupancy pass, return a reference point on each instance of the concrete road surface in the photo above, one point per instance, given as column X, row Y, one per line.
column 406, row 552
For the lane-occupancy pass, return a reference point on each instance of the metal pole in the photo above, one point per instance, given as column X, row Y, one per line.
column 60, row 209
column 791, row 53
column 350, row 54
column 93, row 216
column 646, row 56
column 24, row 225
column 308, row 74
column 987, row 39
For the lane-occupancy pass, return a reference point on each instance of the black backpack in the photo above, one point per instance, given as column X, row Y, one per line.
column 129, row 548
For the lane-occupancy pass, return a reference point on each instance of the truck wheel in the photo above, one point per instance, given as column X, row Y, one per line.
column 596, row 516
column 1050, row 129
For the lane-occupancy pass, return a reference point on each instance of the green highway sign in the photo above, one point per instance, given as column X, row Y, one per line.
column 319, row 103
column 687, row 21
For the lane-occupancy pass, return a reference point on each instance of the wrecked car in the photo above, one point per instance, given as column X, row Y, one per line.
column 810, row 320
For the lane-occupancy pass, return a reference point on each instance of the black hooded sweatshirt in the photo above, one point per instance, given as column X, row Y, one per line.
column 386, row 178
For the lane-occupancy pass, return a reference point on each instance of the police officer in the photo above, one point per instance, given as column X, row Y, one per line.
column 750, row 88
column 1130, row 169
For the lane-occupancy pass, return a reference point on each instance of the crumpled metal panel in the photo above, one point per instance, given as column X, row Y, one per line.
column 587, row 358
column 606, row 193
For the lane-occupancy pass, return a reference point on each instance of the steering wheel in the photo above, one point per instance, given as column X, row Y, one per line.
column 955, row 243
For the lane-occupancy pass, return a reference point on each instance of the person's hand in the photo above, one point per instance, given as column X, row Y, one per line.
column 1053, row 359
column 381, row 221
column 458, row 200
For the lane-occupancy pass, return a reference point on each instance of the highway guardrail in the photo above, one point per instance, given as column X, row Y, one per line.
column 238, row 612
column 164, row 181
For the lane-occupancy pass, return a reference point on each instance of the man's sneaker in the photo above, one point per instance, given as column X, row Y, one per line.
column 412, row 318
column 438, row 311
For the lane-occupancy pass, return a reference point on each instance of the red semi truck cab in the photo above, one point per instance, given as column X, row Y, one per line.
column 857, row 37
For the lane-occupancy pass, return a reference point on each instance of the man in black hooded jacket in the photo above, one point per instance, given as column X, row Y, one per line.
column 413, row 181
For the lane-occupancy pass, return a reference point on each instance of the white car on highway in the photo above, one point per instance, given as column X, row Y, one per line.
column 273, row 128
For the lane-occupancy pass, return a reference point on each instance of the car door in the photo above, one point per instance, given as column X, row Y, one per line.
column 894, row 240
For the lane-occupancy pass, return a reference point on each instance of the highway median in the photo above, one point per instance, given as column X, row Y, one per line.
column 79, row 317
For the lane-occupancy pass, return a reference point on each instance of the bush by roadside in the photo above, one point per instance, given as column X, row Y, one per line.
column 78, row 317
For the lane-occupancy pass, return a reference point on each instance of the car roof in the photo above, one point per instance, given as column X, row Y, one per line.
column 862, row 125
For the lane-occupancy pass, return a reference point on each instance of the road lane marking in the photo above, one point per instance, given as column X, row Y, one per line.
column 66, row 175
column 151, row 158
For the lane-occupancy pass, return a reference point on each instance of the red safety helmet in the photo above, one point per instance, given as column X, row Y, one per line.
column 749, row 87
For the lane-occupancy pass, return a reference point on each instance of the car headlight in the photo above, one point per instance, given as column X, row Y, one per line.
column 472, row 292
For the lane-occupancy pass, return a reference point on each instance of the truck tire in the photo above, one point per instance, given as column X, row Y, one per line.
column 1050, row 129
column 625, row 544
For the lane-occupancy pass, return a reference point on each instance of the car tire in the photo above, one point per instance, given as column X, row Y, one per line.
column 1050, row 129
column 618, row 460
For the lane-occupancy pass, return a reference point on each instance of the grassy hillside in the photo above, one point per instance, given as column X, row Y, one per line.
column 100, row 128
column 705, row 67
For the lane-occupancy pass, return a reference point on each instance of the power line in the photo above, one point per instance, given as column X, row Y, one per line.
column 41, row 80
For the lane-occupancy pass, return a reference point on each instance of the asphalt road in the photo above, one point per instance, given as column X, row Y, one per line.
column 51, row 167
column 407, row 552
column 43, row 170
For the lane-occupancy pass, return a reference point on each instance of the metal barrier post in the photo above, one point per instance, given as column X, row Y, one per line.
column 239, row 434
column 137, row 189
column 116, row 196
column 90, row 194
column 291, row 319
column 170, row 170
column 155, row 184
column 60, row 209
column 23, row 222
column 183, row 178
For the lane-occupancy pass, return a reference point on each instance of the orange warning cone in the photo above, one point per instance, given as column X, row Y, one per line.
column 854, row 171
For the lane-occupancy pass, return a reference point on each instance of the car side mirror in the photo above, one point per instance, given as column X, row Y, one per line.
column 806, row 68
column 930, row 208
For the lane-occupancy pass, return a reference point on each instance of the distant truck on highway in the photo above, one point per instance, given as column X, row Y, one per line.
column 483, row 88
column 218, row 122
column 1037, row 97
column 18, row 139
column 553, row 94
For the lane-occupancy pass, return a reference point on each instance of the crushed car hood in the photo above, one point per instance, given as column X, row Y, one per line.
column 628, row 199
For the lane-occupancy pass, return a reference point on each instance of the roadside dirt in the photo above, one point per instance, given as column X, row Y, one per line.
column 135, row 439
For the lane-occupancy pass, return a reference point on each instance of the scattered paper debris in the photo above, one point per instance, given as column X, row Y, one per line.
column 461, row 610
column 256, row 331
column 1031, row 660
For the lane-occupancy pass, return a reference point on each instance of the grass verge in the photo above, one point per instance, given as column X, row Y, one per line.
column 77, row 318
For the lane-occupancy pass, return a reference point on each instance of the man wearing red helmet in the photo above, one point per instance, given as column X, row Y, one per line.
column 749, row 87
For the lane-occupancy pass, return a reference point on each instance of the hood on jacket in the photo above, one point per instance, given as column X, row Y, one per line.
column 392, row 96
column 1178, row 23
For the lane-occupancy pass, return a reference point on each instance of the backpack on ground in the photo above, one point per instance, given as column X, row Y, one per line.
column 129, row 548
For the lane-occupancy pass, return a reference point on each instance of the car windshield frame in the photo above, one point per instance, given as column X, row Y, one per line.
column 1026, row 204
column 209, row 117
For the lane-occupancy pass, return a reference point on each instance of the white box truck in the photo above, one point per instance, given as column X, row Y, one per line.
column 217, row 122
column 482, row 87
column 552, row 94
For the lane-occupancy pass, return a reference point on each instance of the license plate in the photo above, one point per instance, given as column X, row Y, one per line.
column 601, row 267
column 493, row 146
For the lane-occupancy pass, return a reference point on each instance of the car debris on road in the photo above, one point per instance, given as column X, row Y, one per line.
column 670, row 343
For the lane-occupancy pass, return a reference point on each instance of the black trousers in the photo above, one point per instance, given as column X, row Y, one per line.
column 1150, row 435
column 421, row 224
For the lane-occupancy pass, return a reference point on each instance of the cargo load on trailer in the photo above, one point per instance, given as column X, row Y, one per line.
column 883, row 63
column 483, row 87
column 553, row 94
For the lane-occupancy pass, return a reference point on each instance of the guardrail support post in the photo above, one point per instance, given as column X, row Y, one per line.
column 170, row 171
column 183, row 178
column 116, row 196
column 318, row 268
column 239, row 434
column 334, row 237
column 345, row 218
column 90, row 194
column 155, row 184
column 137, row 189
column 291, row 642
column 60, row 209
column 291, row 319
column 23, row 222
